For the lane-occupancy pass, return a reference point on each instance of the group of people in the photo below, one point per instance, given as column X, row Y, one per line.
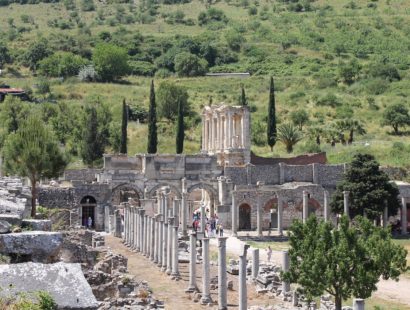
column 213, row 227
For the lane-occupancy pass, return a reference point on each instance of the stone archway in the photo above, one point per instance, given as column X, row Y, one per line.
column 88, row 205
column 126, row 193
column 271, row 210
column 202, row 193
column 244, row 217
column 175, row 192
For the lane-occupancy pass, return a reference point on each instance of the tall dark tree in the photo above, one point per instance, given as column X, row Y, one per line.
column 180, row 129
column 369, row 189
column 124, row 124
column 152, row 122
column 92, row 148
column 271, row 116
column 242, row 100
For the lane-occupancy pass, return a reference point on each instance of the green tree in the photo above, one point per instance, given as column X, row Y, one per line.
column 299, row 118
column 32, row 152
column 152, row 122
column 344, row 262
column 271, row 128
column 396, row 115
column 352, row 126
column 124, row 124
column 61, row 64
column 348, row 72
column 180, row 129
column 369, row 188
column 92, row 146
column 187, row 64
column 169, row 97
column 315, row 133
column 4, row 55
column 36, row 52
column 289, row 136
column 110, row 61
column 243, row 101
column 12, row 113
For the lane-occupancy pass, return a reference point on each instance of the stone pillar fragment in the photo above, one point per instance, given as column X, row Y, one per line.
column 206, row 285
column 175, row 211
column 175, row 269
column 146, row 236
column 258, row 216
column 160, row 240
column 234, row 217
column 255, row 263
column 305, row 206
column 358, row 304
column 280, row 217
column 169, row 245
column 126, row 222
column 346, row 204
column 222, row 285
column 192, row 287
column 141, row 230
column 164, row 246
column 118, row 225
column 184, row 215
column 203, row 217
column 285, row 268
column 326, row 199
column 385, row 216
column 243, row 298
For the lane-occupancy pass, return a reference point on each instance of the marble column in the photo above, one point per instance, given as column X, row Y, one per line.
column 242, row 137
column 305, row 212
column 206, row 280
column 229, row 132
column 346, row 204
column 131, row 227
column 164, row 246
column 160, row 240
column 203, row 216
column 126, row 222
column 234, row 211
column 326, row 206
column 175, row 211
column 141, row 230
column 203, row 132
column 166, row 201
column 358, row 304
column 118, row 225
column 403, row 216
column 135, row 228
column 152, row 252
column 146, row 237
column 175, row 269
column 184, row 212
column 222, row 285
column 285, row 268
column 280, row 216
column 169, row 245
column 156, row 238
column 258, row 215
column 192, row 287
column 255, row 263
column 243, row 294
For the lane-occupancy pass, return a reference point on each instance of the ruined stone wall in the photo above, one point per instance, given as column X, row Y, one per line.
column 329, row 175
column 86, row 175
column 299, row 173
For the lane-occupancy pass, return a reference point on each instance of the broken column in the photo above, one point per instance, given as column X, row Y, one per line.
column 118, row 225
column 222, row 285
column 175, row 269
column 358, row 304
column 346, row 204
column 203, row 216
column 285, row 268
column 255, row 263
column 184, row 214
column 326, row 206
column 403, row 216
column 305, row 212
column 206, row 285
column 280, row 216
column 234, row 217
column 192, row 287
column 169, row 245
column 243, row 298
column 164, row 246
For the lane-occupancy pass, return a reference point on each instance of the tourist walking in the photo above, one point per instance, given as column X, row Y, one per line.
column 89, row 222
column 221, row 230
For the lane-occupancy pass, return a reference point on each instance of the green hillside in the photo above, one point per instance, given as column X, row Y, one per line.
column 337, row 60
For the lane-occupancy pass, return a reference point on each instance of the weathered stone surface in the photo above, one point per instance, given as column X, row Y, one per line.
column 64, row 282
column 37, row 246
column 5, row 227
column 12, row 219
column 37, row 225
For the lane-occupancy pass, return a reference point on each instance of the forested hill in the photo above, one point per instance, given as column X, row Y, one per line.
column 341, row 69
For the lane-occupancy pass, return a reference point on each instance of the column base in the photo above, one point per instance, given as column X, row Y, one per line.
column 164, row 268
column 223, row 308
column 191, row 289
column 168, row 272
column 175, row 276
column 205, row 300
column 159, row 264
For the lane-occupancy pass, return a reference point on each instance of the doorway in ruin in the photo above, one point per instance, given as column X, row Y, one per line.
column 244, row 217
column 88, row 205
column 271, row 211
column 199, row 194
column 125, row 193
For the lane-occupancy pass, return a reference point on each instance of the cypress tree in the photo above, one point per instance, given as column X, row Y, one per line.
column 180, row 129
column 152, row 122
column 92, row 148
column 124, row 124
column 271, row 133
column 242, row 100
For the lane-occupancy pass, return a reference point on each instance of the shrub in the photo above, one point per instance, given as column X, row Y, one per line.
column 143, row 68
column 87, row 5
column 384, row 71
column 88, row 74
column 110, row 61
column 212, row 15
column 187, row 64
column 62, row 64
column 330, row 100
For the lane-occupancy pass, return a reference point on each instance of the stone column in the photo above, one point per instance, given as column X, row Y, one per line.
column 280, row 216
column 234, row 211
column 146, row 239
column 164, row 246
column 243, row 298
column 153, row 227
column 184, row 207
column 136, row 228
column 255, row 263
column 242, row 137
column 258, row 215
column 305, row 212
column 285, row 268
column 206, row 285
column 385, row 215
column 160, row 240
column 175, row 269
column 169, row 245
column 346, row 204
column 156, row 238
column 118, row 224
column 229, row 132
column 141, row 228
column 222, row 285
column 203, row 216
column 192, row 287
column 358, row 304
column 166, row 201
column 203, row 132
column 131, row 226
column 126, row 222
column 403, row 216
column 326, row 206
column 175, row 211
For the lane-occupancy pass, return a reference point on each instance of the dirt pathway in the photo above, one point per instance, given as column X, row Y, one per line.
column 394, row 291
column 173, row 292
